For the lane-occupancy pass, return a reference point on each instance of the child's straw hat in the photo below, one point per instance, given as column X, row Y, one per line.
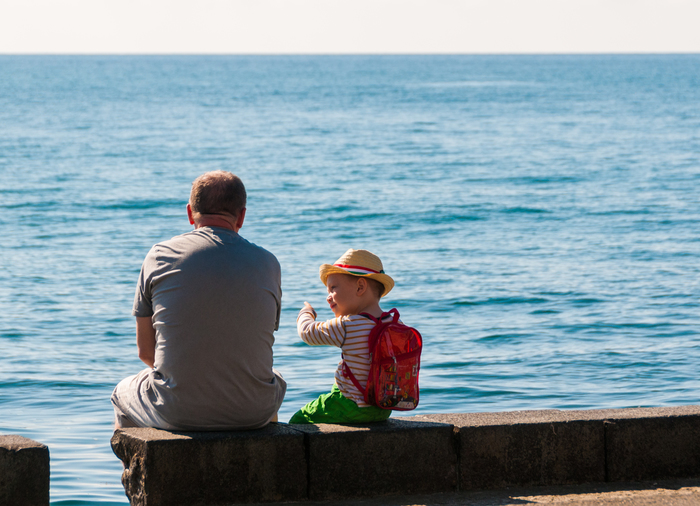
column 359, row 262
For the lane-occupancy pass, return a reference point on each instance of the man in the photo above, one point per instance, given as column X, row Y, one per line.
column 206, row 306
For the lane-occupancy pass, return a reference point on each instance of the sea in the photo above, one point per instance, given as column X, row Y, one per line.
column 540, row 215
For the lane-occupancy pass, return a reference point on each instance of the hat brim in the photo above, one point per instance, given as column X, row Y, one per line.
column 326, row 270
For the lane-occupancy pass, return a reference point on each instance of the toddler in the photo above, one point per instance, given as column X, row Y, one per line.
column 355, row 284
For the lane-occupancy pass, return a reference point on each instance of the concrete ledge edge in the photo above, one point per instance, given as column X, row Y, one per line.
column 431, row 453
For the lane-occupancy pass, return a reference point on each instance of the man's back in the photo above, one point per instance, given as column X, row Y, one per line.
column 215, row 301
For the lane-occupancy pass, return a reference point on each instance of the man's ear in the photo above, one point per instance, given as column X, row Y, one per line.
column 362, row 286
column 189, row 214
column 240, row 219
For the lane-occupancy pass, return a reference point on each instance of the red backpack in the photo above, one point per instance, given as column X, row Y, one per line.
column 394, row 358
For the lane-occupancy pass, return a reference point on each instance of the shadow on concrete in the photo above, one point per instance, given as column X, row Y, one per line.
column 681, row 492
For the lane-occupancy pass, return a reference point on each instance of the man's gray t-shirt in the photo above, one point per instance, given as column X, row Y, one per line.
column 214, row 299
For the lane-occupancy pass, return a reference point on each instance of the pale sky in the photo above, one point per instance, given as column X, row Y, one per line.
column 348, row 26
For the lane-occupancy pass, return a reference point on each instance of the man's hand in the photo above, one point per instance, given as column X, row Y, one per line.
column 146, row 340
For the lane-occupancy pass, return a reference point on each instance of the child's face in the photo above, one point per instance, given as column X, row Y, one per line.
column 342, row 294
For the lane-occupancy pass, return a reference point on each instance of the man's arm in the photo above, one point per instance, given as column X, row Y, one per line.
column 146, row 340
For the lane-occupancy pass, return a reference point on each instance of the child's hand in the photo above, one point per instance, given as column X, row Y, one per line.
column 309, row 306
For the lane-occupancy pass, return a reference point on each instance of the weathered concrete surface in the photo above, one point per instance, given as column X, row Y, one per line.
column 552, row 447
column 392, row 457
column 409, row 455
column 629, row 413
column 24, row 472
column 526, row 448
column 664, row 443
column 211, row 468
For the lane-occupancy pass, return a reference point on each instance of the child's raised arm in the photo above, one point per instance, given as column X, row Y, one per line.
column 309, row 306
column 329, row 333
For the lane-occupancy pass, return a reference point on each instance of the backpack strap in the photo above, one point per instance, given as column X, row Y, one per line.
column 392, row 312
column 347, row 372
column 379, row 325
column 371, row 342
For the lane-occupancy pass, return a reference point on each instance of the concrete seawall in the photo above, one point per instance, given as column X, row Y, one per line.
column 24, row 472
column 555, row 447
column 420, row 454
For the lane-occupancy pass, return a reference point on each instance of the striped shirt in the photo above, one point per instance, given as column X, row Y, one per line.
column 349, row 333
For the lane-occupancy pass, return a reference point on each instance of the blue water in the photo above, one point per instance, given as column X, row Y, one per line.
column 539, row 214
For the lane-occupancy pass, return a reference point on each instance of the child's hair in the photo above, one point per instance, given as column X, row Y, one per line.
column 376, row 287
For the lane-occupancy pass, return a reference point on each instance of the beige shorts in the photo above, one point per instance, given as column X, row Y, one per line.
column 131, row 411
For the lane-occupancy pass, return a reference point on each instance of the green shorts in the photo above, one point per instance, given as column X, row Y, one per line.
column 334, row 408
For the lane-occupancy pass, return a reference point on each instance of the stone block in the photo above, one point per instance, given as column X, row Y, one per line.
column 526, row 448
column 24, row 472
column 392, row 457
column 655, row 443
column 212, row 468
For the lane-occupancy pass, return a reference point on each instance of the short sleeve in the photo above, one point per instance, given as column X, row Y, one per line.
column 279, row 294
column 143, row 305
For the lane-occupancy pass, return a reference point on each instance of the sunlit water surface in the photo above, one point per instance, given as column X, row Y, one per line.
column 538, row 213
